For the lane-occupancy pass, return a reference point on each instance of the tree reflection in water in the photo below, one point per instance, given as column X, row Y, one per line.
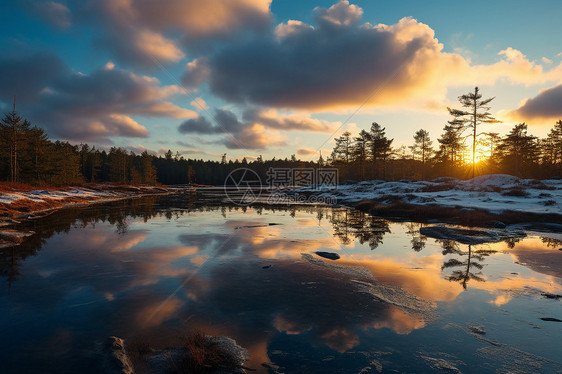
column 355, row 224
column 470, row 268
column 418, row 240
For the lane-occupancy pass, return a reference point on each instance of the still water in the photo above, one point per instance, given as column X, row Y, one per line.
column 151, row 269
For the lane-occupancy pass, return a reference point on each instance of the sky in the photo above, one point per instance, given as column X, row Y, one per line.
column 273, row 78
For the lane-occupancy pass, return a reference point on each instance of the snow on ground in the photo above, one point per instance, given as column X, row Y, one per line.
column 494, row 193
column 40, row 195
column 92, row 192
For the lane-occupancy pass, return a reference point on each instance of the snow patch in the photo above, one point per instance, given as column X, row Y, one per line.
column 494, row 193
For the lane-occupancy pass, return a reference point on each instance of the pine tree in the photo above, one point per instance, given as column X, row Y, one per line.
column 148, row 170
column 38, row 143
column 555, row 140
column 518, row 149
column 477, row 113
column 450, row 145
column 342, row 149
column 14, row 129
column 379, row 147
column 422, row 147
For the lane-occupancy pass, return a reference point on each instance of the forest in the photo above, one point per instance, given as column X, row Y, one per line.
column 28, row 156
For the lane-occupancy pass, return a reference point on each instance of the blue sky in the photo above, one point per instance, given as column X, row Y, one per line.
column 277, row 78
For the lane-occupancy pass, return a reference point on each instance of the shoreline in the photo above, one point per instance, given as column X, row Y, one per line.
column 33, row 204
column 491, row 201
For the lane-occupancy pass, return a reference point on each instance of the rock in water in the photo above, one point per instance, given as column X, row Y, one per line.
column 551, row 296
column 328, row 255
column 167, row 361
column 116, row 360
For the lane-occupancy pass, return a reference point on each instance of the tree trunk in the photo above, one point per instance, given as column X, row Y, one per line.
column 474, row 138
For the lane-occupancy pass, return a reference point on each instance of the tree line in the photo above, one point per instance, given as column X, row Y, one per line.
column 27, row 155
column 370, row 155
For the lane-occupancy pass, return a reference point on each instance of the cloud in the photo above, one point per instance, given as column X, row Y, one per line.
column 199, row 103
column 546, row 106
column 340, row 63
column 240, row 135
column 85, row 107
column 139, row 148
column 139, row 31
column 27, row 76
column 306, row 151
column 255, row 136
column 289, row 122
column 340, row 14
column 196, row 72
column 258, row 128
column 224, row 122
column 336, row 64
column 55, row 14
column 516, row 68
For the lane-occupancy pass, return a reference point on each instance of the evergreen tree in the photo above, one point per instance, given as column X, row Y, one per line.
column 476, row 114
column 518, row 150
column 359, row 151
column 380, row 147
column 148, row 169
column 555, row 144
column 450, row 145
column 422, row 148
column 38, row 145
column 342, row 149
column 14, row 130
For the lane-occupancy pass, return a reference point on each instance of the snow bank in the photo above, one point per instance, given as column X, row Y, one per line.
column 91, row 193
column 494, row 193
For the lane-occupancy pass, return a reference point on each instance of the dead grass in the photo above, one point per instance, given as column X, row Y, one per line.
column 204, row 356
column 138, row 349
column 517, row 192
column 472, row 217
column 438, row 187
column 27, row 206
column 8, row 187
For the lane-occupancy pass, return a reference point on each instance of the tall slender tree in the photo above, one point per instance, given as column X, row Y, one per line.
column 555, row 140
column 476, row 113
column 422, row 148
column 450, row 145
column 15, row 129
column 342, row 149
column 379, row 146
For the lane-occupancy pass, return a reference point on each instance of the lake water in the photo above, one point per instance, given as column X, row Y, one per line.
column 151, row 269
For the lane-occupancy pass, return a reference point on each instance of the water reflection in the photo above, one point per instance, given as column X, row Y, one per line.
column 354, row 224
column 418, row 240
column 470, row 262
column 156, row 266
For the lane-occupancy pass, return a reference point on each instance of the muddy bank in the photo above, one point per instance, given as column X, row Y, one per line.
column 489, row 201
column 399, row 210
